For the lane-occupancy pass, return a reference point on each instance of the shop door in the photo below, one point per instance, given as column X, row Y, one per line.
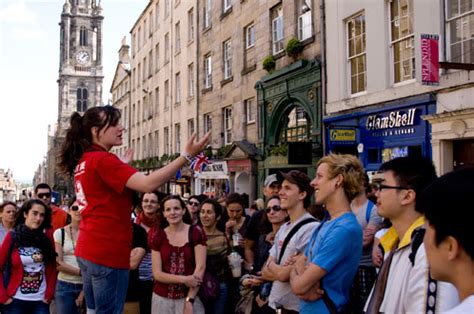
column 463, row 152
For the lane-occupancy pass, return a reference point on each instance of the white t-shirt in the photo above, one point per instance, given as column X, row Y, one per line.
column 68, row 255
column 281, row 291
column 33, row 283
column 466, row 306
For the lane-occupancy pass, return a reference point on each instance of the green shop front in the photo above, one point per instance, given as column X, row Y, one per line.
column 290, row 110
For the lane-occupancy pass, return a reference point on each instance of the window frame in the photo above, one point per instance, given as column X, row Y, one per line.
column 227, row 58
column 356, row 56
column 277, row 29
column 227, row 124
column 250, row 36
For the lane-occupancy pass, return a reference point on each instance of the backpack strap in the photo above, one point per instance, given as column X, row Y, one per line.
column 368, row 211
column 62, row 237
column 291, row 234
column 432, row 287
column 416, row 241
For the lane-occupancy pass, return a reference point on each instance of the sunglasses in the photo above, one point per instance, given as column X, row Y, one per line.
column 276, row 208
column 44, row 195
column 196, row 204
column 74, row 208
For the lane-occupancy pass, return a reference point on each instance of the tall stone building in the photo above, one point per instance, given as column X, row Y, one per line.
column 80, row 75
column 381, row 103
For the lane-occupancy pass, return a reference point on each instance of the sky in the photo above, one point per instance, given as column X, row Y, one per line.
column 29, row 64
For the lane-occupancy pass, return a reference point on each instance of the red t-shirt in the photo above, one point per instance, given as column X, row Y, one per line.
column 58, row 218
column 174, row 260
column 105, row 204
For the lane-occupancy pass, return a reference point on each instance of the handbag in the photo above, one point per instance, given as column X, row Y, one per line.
column 210, row 287
column 244, row 306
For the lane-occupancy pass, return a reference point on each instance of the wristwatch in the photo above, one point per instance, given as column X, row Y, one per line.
column 190, row 300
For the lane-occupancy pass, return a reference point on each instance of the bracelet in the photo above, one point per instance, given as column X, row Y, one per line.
column 187, row 156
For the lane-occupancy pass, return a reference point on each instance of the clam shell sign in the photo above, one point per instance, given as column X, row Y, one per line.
column 429, row 59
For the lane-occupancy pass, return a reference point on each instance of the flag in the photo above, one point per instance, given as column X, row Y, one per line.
column 199, row 162
column 227, row 186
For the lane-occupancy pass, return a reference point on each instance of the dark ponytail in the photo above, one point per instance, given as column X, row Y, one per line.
column 79, row 135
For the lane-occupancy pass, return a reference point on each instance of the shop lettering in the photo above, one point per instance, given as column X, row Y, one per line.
column 395, row 119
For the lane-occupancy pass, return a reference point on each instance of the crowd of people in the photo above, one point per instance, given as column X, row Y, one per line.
column 335, row 243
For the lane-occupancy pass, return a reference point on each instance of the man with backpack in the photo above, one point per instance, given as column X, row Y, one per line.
column 404, row 284
column 369, row 220
column 291, row 239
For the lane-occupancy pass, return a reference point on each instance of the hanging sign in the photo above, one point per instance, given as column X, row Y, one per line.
column 429, row 59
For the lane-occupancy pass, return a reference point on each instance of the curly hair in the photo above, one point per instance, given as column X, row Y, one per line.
column 25, row 209
column 350, row 168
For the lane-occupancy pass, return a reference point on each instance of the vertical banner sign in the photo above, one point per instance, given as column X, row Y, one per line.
column 429, row 59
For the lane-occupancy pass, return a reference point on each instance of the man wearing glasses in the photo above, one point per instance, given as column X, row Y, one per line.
column 404, row 284
column 59, row 218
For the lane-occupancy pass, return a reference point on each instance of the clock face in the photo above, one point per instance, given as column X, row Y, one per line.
column 82, row 57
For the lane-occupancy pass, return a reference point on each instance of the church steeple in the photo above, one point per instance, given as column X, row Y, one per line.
column 80, row 64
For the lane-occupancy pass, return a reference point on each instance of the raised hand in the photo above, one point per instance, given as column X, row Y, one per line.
column 128, row 156
column 193, row 148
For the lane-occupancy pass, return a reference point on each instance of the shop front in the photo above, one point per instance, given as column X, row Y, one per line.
column 213, row 181
column 289, row 101
column 242, row 166
column 382, row 132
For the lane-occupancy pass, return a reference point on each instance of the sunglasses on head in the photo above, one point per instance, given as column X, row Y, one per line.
column 194, row 204
column 276, row 208
column 74, row 208
column 44, row 195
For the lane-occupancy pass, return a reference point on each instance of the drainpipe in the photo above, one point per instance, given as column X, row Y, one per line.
column 322, row 11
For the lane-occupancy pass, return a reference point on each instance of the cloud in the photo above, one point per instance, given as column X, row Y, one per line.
column 18, row 13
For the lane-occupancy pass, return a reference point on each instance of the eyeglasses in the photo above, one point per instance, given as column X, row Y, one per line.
column 150, row 201
column 380, row 187
column 196, row 204
column 276, row 208
column 44, row 195
column 74, row 208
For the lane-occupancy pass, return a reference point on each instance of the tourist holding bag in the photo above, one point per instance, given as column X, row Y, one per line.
column 214, row 289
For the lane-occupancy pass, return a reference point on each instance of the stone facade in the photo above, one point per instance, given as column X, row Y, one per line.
column 386, row 37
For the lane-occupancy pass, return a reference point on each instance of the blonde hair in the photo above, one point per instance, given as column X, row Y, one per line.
column 350, row 168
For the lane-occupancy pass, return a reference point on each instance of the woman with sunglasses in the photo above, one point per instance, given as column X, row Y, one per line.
column 103, row 184
column 28, row 262
column 7, row 218
column 193, row 208
column 217, row 251
column 148, row 218
column 69, row 295
column 276, row 216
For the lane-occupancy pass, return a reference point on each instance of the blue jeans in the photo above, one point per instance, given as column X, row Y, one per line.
column 105, row 288
column 220, row 303
column 65, row 297
column 21, row 307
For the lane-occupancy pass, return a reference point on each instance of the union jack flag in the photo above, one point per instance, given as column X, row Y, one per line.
column 199, row 162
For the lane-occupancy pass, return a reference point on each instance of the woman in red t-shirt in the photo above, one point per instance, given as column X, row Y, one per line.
column 103, row 184
column 178, row 267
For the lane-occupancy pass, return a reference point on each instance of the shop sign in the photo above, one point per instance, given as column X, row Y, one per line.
column 215, row 170
column 392, row 120
column 342, row 135
column 429, row 59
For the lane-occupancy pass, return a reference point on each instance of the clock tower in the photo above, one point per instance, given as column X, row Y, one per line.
column 80, row 63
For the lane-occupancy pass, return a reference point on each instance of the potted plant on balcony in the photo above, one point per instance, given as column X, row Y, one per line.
column 294, row 48
column 269, row 63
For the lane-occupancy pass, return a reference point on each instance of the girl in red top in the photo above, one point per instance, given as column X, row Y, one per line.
column 178, row 266
column 27, row 253
column 103, row 185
